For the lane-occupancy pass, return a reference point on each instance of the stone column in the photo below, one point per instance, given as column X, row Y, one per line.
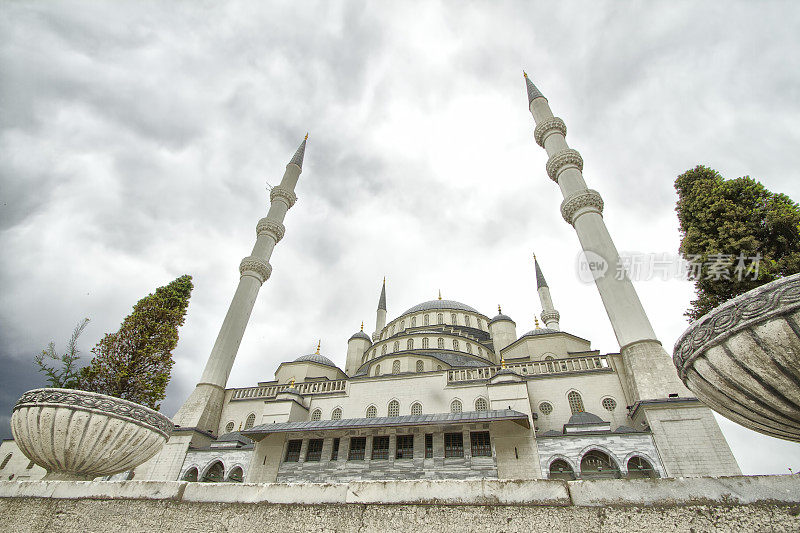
column 684, row 430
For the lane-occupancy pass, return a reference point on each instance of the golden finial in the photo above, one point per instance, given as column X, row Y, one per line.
column 384, row 280
column 502, row 363
column 440, row 294
column 240, row 426
column 318, row 345
column 534, row 256
column 362, row 325
column 536, row 320
column 499, row 311
column 291, row 383
column 524, row 73
column 306, row 136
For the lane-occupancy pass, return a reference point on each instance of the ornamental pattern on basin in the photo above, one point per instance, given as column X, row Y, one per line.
column 100, row 402
column 775, row 298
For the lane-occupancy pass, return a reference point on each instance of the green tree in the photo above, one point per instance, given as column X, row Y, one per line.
column 67, row 377
column 726, row 223
column 135, row 362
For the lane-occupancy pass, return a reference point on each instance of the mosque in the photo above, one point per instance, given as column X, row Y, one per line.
column 444, row 391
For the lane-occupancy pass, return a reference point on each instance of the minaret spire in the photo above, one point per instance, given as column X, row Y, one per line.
column 533, row 92
column 380, row 318
column 550, row 316
column 204, row 406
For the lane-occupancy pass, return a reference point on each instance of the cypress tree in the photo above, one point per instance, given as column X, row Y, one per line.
column 135, row 362
column 727, row 226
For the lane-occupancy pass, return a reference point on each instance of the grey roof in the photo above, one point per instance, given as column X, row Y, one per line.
column 454, row 359
column 393, row 421
column 625, row 429
column 298, row 156
column 441, row 304
column 316, row 358
column 551, row 433
column 540, row 281
column 498, row 318
column 234, row 436
column 540, row 331
column 360, row 335
column 584, row 418
column 533, row 92
column 382, row 299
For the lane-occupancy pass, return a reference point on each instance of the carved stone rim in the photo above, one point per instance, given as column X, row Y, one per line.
column 776, row 298
column 578, row 200
column 98, row 403
column 543, row 129
column 562, row 159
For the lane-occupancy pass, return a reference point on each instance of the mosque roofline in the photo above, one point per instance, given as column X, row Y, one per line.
column 524, row 337
column 394, row 421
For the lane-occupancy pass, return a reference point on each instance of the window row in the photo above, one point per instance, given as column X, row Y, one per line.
column 479, row 446
column 215, row 474
column 426, row 320
column 249, row 422
column 419, row 366
column 411, row 344
column 393, row 409
column 596, row 464
column 575, row 402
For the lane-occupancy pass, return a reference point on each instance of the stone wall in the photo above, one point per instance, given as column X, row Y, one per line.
column 759, row 503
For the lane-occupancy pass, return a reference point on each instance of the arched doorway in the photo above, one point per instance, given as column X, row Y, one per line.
column 640, row 468
column 560, row 469
column 190, row 475
column 598, row 465
column 236, row 475
column 215, row 473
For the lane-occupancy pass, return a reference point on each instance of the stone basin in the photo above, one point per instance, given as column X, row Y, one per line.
column 80, row 435
column 742, row 358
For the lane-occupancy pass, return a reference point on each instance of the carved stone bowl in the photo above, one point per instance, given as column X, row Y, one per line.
column 79, row 435
column 742, row 359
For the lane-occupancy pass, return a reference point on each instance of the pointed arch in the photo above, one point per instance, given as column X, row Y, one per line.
column 420, row 366
column 214, row 473
column 481, row 404
column 416, row 408
column 336, row 414
column 236, row 475
column 316, row 414
column 456, row 406
column 372, row 411
column 251, row 421
column 191, row 474
column 396, row 366
column 393, row 409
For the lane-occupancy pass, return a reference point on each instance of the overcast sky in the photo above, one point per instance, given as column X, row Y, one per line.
column 137, row 140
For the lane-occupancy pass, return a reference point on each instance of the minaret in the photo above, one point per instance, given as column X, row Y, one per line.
column 659, row 401
column 380, row 319
column 204, row 406
column 550, row 316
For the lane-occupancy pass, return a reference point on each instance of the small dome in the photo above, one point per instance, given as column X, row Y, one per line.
column 441, row 304
column 500, row 317
column 584, row 418
column 360, row 335
column 315, row 358
column 540, row 331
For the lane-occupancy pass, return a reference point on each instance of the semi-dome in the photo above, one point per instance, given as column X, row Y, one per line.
column 540, row 331
column 441, row 304
column 315, row 358
column 584, row 418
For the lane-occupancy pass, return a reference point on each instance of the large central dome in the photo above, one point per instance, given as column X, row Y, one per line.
column 441, row 304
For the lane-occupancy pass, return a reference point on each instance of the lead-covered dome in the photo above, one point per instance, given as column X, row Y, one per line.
column 315, row 358
column 540, row 331
column 441, row 304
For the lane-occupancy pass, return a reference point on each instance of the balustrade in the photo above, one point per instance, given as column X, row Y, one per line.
column 534, row 368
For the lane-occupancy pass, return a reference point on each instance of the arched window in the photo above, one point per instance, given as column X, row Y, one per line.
column 466, row 320
column 480, row 351
column 560, row 469
column 453, row 319
column 5, row 461
column 455, row 406
column 396, row 367
column 440, row 318
column 427, row 320
column 402, row 325
column 383, row 349
column 640, row 468
column 372, row 411
column 190, row 475
column 549, row 364
column 229, row 426
column 598, row 465
column 609, row 404
column 336, row 414
column 469, row 348
column 410, row 344
column 394, row 408
column 316, row 414
column 416, row 408
column 545, row 408
column 250, row 422
column 481, row 404
column 575, row 402
column 420, row 366
column 480, row 324
column 455, row 345
column 440, row 342
column 425, row 343
column 413, row 321
column 236, row 475
column 215, row 473
column 396, row 347
column 377, row 370
column 392, row 329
